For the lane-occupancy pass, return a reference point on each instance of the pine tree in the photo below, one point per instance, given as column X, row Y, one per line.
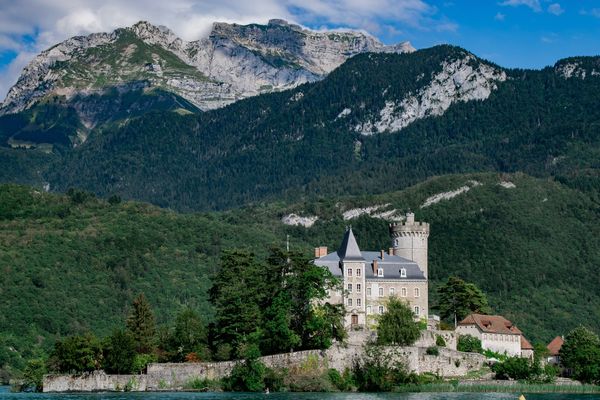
column 140, row 323
column 459, row 298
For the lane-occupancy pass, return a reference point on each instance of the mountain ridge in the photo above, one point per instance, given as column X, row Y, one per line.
column 233, row 62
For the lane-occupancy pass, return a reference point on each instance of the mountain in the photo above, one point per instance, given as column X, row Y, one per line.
column 379, row 122
column 233, row 62
column 73, row 263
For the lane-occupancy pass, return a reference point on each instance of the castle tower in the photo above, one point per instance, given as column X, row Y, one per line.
column 409, row 240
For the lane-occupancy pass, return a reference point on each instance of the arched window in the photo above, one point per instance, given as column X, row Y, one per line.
column 403, row 273
column 380, row 272
column 417, row 292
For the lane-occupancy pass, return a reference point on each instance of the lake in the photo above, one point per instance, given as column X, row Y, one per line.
column 5, row 394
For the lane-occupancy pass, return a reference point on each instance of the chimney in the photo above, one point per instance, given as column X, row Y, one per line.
column 322, row 251
column 375, row 267
column 382, row 254
column 317, row 252
column 391, row 251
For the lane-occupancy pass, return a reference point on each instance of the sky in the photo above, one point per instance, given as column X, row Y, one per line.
column 511, row 33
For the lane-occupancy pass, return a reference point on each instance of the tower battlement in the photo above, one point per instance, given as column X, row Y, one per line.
column 409, row 240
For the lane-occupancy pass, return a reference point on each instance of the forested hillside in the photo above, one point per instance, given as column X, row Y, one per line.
column 314, row 141
column 73, row 263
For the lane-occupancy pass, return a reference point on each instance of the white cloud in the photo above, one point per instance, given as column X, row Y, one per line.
column 555, row 9
column 533, row 4
column 500, row 17
column 47, row 22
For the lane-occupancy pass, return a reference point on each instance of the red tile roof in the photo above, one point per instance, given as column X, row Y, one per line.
column 491, row 324
column 555, row 345
column 525, row 345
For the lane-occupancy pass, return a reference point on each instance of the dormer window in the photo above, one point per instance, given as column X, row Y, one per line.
column 380, row 272
column 403, row 273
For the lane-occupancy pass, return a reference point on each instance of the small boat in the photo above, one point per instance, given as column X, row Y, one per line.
column 521, row 397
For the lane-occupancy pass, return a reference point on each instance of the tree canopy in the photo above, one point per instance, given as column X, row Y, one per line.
column 397, row 324
column 457, row 299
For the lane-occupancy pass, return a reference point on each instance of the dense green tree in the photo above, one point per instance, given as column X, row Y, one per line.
column 379, row 370
column 33, row 375
column 457, row 299
column 469, row 344
column 581, row 353
column 397, row 324
column 189, row 335
column 76, row 354
column 248, row 375
column 278, row 335
column 119, row 352
column 141, row 324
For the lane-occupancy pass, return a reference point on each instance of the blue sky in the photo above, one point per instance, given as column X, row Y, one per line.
column 512, row 33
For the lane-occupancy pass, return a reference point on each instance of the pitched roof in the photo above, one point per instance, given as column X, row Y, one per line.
column 555, row 345
column 525, row 345
column 391, row 265
column 491, row 324
column 349, row 248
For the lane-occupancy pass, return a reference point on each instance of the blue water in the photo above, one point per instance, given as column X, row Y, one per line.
column 5, row 394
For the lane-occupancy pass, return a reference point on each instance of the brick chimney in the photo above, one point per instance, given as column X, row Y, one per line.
column 382, row 254
column 320, row 251
column 375, row 266
column 391, row 251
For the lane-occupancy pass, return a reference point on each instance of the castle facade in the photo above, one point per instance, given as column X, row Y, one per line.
column 370, row 278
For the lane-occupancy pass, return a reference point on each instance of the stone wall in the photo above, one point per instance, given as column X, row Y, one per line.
column 96, row 381
column 175, row 376
column 429, row 337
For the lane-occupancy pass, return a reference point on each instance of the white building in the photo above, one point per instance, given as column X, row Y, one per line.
column 496, row 334
column 370, row 277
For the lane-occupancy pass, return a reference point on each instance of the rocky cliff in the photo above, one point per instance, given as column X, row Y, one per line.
column 233, row 62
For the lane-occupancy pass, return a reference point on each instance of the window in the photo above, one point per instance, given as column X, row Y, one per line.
column 349, row 288
column 368, row 309
column 350, row 302
column 403, row 292
column 417, row 310
column 391, row 291
column 368, row 291
column 358, row 272
column 403, row 273
column 380, row 292
column 358, row 287
column 380, row 272
column 358, row 302
column 349, row 271
column 417, row 292
column 381, row 310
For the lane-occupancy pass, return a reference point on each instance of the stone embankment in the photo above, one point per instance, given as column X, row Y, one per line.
column 176, row 376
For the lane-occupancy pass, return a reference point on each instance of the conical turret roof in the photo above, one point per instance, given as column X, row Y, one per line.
column 349, row 250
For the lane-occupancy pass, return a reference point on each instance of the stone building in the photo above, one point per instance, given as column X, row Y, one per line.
column 370, row 277
column 496, row 334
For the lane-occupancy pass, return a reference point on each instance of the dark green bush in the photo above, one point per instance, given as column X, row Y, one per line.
column 469, row 344
column 432, row 351
column 440, row 341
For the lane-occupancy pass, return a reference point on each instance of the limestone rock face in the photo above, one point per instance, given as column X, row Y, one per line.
column 233, row 62
column 463, row 79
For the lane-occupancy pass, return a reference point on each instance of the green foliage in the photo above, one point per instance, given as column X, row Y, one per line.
column 247, row 376
column 76, row 354
column 379, row 371
column 523, row 369
column 33, row 375
column 119, row 353
column 140, row 323
column 581, row 354
column 457, row 299
column 189, row 335
column 432, row 351
column 397, row 325
column 469, row 344
column 439, row 341
column 343, row 382
column 141, row 361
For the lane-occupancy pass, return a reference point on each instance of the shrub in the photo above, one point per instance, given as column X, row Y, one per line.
column 469, row 344
column 380, row 371
column 432, row 351
column 343, row 382
column 513, row 368
column 33, row 375
column 440, row 341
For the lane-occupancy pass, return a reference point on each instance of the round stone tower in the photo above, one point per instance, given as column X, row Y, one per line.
column 409, row 240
